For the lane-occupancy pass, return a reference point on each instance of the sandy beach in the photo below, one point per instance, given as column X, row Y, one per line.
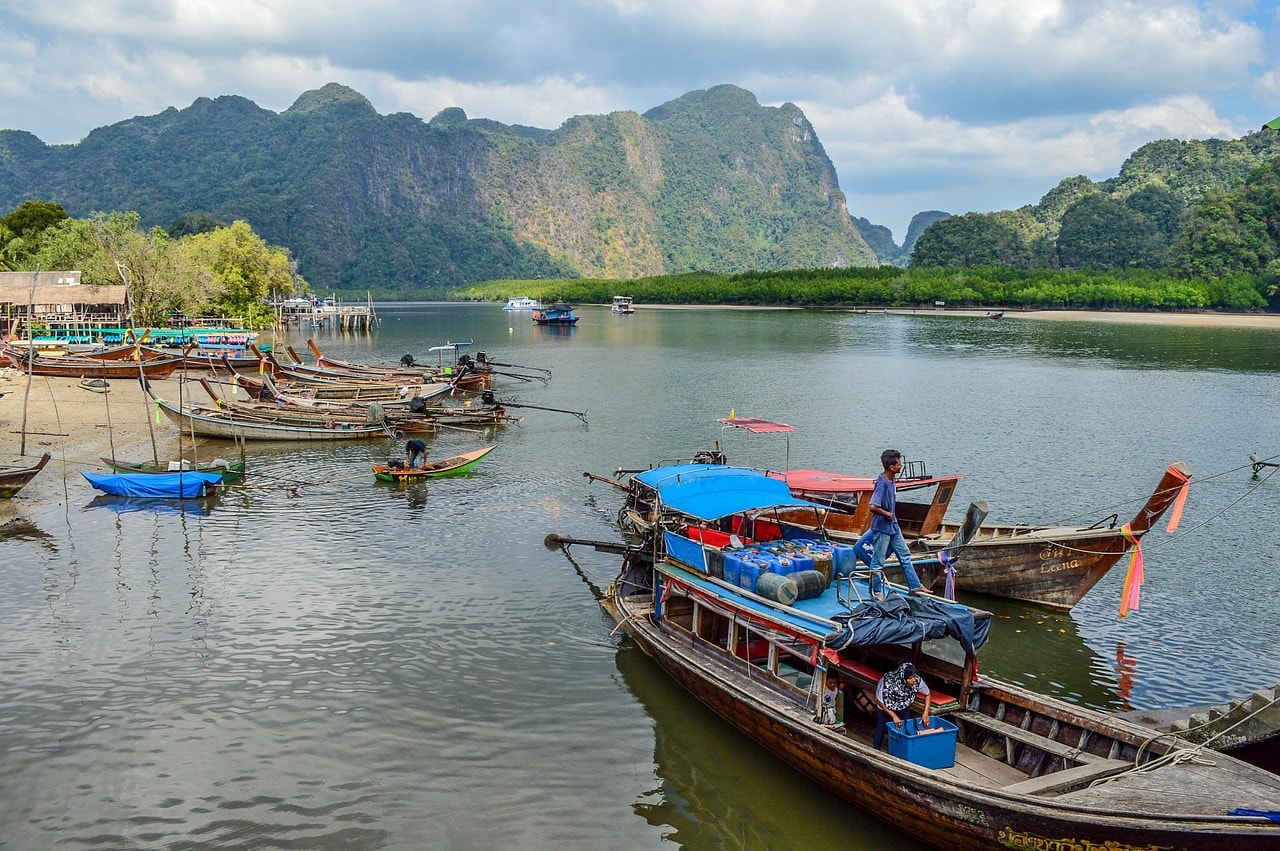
column 1269, row 321
column 76, row 425
column 1205, row 319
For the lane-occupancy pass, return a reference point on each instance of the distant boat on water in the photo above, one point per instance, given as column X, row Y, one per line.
column 556, row 314
column 522, row 303
column 622, row 304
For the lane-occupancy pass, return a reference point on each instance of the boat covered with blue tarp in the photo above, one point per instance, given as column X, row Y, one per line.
column 187, row 484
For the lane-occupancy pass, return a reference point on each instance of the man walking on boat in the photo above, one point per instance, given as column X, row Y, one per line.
column 885, row 531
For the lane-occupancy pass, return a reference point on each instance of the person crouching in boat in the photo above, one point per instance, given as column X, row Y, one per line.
column 415, row 455
column 895, row 693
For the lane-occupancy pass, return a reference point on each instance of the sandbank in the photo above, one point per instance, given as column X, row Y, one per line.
column 76, row 425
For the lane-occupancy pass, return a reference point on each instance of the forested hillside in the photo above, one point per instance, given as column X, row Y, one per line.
column 710, row 181
column 1196, row 208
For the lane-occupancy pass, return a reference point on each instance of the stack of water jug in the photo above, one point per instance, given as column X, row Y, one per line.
column 789, row 570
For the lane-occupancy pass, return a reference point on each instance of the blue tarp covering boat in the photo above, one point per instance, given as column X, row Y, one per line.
column 183, row 485
column 712, row 491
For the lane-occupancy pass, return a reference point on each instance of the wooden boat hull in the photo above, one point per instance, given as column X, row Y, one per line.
column 1053, row 566
column 457, row 465
column 918, row 801
column 228, row 427
column 232, row 472
column 72, row 366
column 1050, row 567
column 14, row 477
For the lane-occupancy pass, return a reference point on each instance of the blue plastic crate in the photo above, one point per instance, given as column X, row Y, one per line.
column 926, row 749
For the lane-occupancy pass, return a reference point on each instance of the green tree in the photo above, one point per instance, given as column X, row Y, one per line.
column 244, row 272
column 32, row 217
column 1099, row 232
column 192, row 223
column 974, row 239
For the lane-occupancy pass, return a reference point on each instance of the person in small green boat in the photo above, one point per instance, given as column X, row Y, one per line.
column 415, row 455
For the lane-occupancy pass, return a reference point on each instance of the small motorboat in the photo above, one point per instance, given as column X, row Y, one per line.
column 454, row 466
column 190, row 484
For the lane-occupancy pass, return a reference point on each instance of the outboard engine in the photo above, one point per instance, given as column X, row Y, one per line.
column 407, row 360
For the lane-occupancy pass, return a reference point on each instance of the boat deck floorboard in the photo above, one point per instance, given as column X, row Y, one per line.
column 1189, row 787
column 971, row 766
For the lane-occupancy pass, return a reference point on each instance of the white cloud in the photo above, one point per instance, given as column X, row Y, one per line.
column 963, row 101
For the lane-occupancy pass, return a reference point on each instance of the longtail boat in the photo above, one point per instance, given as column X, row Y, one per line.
column 453, row 466
column 266, row 388
column 230, row 471
column 997, row 765
column 419, row 417
column 230, row 426
column 1052, row 566
column 76, row 366
column 14, row 476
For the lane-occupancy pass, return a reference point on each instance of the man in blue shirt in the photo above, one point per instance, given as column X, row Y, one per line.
column 885, row 531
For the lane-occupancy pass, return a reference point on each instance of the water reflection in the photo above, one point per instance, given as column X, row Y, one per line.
column 1141, row 346
column 718, row 789
column 1043, row 650
column 140, row 505
column 22, row 529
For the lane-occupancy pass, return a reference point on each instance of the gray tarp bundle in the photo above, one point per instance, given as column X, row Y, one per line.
column 905, row 620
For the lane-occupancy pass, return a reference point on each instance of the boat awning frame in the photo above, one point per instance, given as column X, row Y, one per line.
column 712, row 491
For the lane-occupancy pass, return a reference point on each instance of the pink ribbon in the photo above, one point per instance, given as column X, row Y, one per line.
column 1133, row 579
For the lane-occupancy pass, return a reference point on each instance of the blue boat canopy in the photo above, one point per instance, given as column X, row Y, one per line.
column 712, row 491
column 188, row 484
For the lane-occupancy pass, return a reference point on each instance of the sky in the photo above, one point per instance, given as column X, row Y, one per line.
column 954, row 105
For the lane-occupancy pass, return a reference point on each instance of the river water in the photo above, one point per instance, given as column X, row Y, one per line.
column 319, row 661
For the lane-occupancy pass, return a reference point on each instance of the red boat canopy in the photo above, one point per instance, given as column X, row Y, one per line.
column 756, row 426
column 819, row 481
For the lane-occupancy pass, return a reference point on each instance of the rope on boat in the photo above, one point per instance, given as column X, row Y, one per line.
column 1155, row 545
column 1267, row 705
column 1195, row 753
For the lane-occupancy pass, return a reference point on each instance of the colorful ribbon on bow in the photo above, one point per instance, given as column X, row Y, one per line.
column 950, row 570
column 1133, row 579
column 1176, row 514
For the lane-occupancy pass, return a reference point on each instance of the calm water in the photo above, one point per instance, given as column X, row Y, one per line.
column 317, row 661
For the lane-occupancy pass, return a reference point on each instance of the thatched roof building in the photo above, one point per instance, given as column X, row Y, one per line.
column 58, row 298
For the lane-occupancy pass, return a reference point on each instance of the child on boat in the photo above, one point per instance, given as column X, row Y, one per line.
column 830, row 711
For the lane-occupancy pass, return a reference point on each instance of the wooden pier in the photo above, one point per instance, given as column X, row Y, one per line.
column 329, row 313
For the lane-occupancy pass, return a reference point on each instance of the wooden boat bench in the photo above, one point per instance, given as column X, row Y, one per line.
column 1068, row 778
column 1017, row 734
